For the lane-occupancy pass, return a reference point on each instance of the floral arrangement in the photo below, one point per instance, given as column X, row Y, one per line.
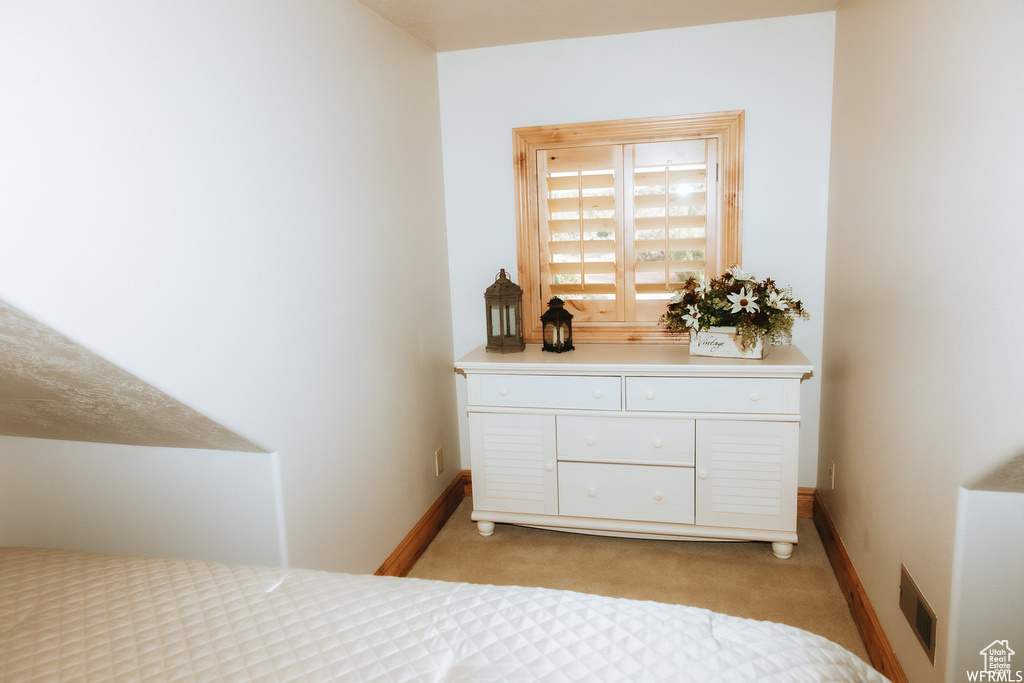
column 756, row 308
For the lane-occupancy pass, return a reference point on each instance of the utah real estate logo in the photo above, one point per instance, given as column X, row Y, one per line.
column 997, row 665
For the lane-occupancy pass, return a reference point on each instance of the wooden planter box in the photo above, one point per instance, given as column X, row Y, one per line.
column 723, row 342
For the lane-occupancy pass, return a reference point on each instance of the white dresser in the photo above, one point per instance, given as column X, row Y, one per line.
column 637, row 440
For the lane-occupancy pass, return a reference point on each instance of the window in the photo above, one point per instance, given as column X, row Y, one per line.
column 614, row 216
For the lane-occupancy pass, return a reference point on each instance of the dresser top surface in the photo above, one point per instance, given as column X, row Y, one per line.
column 667, row 359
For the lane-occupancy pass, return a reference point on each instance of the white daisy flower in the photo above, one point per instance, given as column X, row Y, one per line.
column 775, row 302
column 691, row 317
column 740, row 275
column 742, row 301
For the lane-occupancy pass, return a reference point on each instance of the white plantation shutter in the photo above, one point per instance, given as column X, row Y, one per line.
column 612, row 216
column 583, row 242
column 623, row 226
column 672, row 219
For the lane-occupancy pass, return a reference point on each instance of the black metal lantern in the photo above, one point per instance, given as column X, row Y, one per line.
column 504, row 300
column 557, row 326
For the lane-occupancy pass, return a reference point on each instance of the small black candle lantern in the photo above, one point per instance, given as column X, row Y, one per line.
column 504, row 300
column 557, row 327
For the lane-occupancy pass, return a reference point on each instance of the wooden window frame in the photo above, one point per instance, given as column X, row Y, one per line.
column 726, row 126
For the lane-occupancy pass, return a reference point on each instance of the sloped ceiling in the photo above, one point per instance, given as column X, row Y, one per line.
column 52, row 388
column 445, row 25
column 1007, row 478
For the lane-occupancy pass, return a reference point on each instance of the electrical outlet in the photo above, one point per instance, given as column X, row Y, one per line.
column 832, row 473
column 439, row 461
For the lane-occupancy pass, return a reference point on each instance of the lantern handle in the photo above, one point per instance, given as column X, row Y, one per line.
column 499, row 275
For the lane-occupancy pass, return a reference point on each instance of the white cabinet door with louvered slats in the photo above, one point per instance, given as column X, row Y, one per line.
column 514, row 463
column 746, row 474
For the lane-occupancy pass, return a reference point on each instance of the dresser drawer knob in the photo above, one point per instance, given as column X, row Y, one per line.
column 591, row 441
column 591, row 492
column 754, row 396
column 657, row 495
column 503, row 391
column 597, row 393
column 549, row 466
column 703, row 474
column 658, row 443
column 649, row 395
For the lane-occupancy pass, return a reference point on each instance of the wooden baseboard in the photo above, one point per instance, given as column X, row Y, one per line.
column 879, row 649
column 400, row 562
column 805, row 501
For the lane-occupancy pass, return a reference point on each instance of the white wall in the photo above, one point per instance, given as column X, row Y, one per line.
column 923, row 372
column 988, row 572
column 201, row 504
column 240, row 202
column 778, row 70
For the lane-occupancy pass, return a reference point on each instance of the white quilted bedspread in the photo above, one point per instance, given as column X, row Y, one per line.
column 73, row 616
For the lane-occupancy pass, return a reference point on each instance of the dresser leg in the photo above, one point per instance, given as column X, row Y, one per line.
column 485, row 528
column 782, row 550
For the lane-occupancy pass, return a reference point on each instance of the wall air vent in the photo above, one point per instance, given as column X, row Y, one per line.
column 918, row 613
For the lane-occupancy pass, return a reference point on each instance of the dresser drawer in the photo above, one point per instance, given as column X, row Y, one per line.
column 634, row 492
column 712, row 394
column 626, row 439
column 538, row 391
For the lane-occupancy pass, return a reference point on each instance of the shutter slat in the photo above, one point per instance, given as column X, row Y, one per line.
column 590, row 288
column 659, row 287
column 589, row 246
column 655, row 201
column 590, row 225
column 575, row 159
column 658, row 222
column 592, row 268
column 572, row 204
column 677, row 244
column 655, row 178
column 601, row 181
column 674, row 266
column 653, row 288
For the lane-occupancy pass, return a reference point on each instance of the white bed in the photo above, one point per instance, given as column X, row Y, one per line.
column 73, row 616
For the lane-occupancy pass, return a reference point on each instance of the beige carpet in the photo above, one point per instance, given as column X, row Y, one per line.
column 742, row 579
